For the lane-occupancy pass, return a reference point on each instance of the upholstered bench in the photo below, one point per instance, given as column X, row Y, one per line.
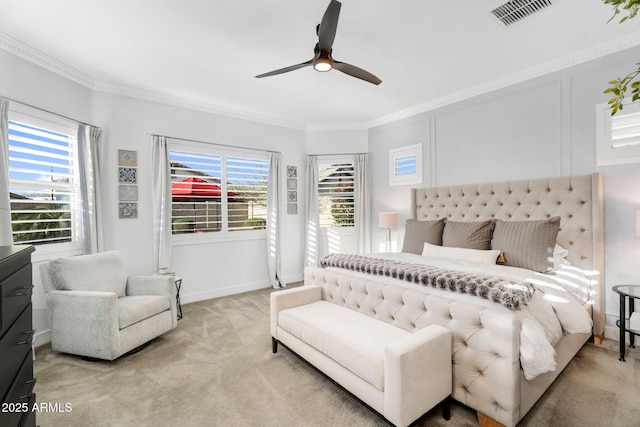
column 397, row 373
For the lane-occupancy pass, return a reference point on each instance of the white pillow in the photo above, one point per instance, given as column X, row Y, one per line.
column 461, row 254
column 559, row 255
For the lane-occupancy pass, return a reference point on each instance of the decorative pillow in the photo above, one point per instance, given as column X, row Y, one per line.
column 470, row 235
column 527, row 244
column 461, row 254
column 416, row 233
column 96, row 272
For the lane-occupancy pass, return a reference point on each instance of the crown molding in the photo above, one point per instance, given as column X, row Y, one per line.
column 578, row 58
column 41, row 59
column 53, row 65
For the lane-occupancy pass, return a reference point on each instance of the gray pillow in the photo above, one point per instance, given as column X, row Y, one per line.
column 96, row 272
column 470, row 235
column 527, row 244
column 416, row 233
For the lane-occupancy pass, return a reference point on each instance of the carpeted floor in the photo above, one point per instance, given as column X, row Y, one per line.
column 217, row 369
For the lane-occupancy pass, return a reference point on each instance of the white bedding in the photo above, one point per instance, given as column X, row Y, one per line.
column 551, row 312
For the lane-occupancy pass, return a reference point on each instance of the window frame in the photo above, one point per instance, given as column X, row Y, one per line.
column 606, row 152
column 52, row 122
column 224, row 151
column 408, row 151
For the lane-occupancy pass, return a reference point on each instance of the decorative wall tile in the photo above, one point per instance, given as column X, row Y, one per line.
column 128, row 210
column 128, row 175
column 292, row 184
column 292, row 171
column 127, row 158
column 292, row 196
column 292, row 208
column 128, row 193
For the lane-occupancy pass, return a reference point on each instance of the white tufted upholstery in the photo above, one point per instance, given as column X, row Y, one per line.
column 485, row 348
column 399, row 374
column 577, row 200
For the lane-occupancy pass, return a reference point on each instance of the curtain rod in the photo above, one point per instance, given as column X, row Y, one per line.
column 49, row 112
column 215, row 143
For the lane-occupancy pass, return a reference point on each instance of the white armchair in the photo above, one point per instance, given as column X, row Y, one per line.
column 96, row 310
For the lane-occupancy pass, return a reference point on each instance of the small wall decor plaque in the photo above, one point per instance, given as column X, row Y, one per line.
column 292, row 208
column 128, row 210
column 127, row 158
column 128, row 193
column 128, row 175
column 292, row 171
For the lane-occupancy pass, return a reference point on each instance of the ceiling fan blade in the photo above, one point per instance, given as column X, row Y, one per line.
column 354, row 71
column 328, row 26
column 285, row 69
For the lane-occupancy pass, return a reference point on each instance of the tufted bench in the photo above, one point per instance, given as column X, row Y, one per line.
column 398, row 373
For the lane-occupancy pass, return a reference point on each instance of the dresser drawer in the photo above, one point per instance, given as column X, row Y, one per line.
column 17, row 404
column 29, row 418
column 15, row 294
column 14, row 347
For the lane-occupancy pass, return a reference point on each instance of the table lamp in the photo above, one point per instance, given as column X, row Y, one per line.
column 388, row 220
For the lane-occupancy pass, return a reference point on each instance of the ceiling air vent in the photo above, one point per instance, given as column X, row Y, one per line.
column 515, row 10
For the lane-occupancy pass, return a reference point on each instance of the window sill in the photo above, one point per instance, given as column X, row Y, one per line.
column 207, row 238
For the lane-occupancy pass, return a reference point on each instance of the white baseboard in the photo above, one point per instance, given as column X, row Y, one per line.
column 41, row 338
column 223, row 292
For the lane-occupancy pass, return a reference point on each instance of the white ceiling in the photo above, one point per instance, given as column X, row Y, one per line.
column 206, row 52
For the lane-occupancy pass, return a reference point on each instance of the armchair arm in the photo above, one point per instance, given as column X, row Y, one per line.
column 417, row 374
column 155, row 285
column 288, row 298
column 85, row 322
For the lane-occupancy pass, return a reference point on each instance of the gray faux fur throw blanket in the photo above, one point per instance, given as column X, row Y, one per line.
column 511, row 294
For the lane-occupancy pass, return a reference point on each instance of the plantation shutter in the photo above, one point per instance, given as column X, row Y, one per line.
column 336, row 194
column 43, row 184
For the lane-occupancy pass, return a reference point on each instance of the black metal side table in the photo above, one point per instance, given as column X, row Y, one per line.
column 178, row 282
column 630, row 292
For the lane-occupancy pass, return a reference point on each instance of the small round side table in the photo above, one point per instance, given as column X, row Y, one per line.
column 627, row 292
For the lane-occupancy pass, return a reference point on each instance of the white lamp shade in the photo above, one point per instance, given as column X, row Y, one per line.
column 387, row 219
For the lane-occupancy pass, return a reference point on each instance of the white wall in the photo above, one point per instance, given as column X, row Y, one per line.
column 208, row 270
column 542, row 127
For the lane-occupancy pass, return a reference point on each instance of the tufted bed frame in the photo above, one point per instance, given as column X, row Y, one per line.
column 486, row 360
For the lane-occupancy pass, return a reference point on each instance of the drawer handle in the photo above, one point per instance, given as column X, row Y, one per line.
column 25, row 291
column 30, row 392
column 28, row 340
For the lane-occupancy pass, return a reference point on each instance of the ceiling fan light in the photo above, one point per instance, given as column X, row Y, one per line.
column 323, row 64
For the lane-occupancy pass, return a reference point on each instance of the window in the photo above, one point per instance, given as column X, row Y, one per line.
column 405, row 165
column 215, row 190
column 617, row 137
column 336, row 194
column 44, row 184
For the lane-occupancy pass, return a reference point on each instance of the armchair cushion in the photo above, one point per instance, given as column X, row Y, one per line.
column 97, row 272
column 133, row 309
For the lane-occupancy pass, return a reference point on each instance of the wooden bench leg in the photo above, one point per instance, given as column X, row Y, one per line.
column 274, row 345
column 486, row 421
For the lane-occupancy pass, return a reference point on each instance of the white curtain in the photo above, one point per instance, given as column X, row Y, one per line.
column 312, row 220
column 161, row 202
column 273, row 220
column 362, row 203
column 6, row 236
column 89, row 153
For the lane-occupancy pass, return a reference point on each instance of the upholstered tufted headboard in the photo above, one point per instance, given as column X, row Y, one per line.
column 577, row 200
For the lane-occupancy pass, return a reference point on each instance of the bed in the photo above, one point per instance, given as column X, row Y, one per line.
column 491, row 360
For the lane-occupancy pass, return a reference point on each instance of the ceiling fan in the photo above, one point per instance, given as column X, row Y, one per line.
column 322, row 59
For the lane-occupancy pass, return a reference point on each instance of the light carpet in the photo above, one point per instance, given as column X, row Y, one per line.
column 217, row 369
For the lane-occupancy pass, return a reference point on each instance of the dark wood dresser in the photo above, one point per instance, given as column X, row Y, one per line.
column 16, row 337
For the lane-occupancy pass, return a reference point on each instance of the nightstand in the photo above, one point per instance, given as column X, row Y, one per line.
column 627, row 292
